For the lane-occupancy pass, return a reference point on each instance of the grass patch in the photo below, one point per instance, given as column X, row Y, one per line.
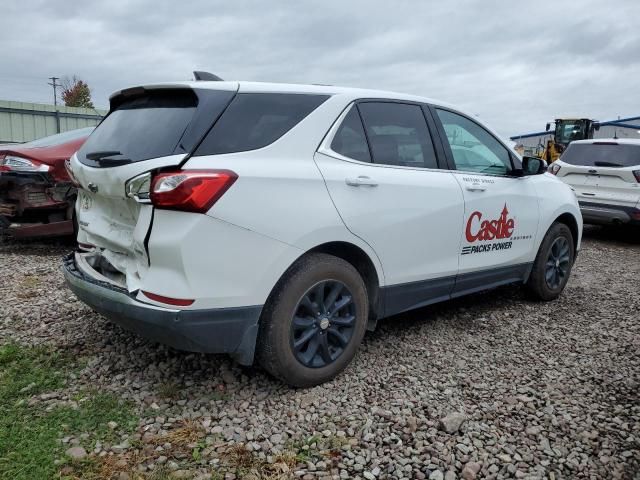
column 169, row 389
column 316, row 448
column 29, row 434
column 243, row 462
column 189, row 432
column 30, row 281
column 29, row 371
column 27, row 284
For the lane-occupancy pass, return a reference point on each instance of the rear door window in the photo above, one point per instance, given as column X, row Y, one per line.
column 144, row 127
column 602, row 154
column 255, row 120
column 398, row 134
column 350, row 139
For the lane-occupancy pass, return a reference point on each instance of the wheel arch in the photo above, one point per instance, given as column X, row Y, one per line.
column 363, row 263
column 570, row 221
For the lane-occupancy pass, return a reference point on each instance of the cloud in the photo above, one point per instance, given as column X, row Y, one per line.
column 515, row 64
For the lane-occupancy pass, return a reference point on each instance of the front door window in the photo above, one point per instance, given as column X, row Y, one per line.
column 472, row 147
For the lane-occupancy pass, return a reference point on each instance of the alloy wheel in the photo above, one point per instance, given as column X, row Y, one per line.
column 558, row 262
column 323, row 324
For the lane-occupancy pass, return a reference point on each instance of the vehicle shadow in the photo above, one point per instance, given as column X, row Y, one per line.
column 614, row 234
column 168, row 374
column 37, row 246
column 195, row 375
column 459, row 314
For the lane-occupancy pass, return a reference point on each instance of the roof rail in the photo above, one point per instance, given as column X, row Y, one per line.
column 206, row 76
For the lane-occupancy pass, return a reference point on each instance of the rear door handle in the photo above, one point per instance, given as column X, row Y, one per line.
column 361, row 181
column 476, row 187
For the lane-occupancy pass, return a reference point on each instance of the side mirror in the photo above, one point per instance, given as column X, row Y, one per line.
column 533, row 166
column 547, row 127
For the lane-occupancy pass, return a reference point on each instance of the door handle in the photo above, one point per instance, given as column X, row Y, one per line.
column 361, row 181
column 476, row 187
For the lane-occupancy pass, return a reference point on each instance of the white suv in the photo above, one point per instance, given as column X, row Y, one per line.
column 285, row 220
column 605, row 175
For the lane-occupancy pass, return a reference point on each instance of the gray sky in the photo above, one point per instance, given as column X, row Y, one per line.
column 515, row 64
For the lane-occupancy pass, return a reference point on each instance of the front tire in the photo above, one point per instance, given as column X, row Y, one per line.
column 314, row 321
column 553, row 263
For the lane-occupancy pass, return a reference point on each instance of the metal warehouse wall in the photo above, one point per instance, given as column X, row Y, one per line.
column 21, row 122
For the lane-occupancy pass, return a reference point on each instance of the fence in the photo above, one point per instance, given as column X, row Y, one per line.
column 22, row 122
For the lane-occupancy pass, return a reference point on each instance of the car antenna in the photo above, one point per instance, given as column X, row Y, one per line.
column 206, row 76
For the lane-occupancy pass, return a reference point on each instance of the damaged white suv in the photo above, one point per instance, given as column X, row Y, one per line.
column 281, row 221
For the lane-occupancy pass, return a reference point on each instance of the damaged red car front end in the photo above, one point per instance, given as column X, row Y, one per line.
column 37, row 195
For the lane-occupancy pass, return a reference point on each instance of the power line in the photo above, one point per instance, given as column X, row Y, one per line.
column 55, row 89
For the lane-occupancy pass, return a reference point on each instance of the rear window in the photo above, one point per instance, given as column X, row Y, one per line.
column 144, row 127
column 398, row 134
column 255, row 120
column 602, row 155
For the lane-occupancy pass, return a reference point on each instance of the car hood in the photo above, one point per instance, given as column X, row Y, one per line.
column 48, row 155
column 54, row 156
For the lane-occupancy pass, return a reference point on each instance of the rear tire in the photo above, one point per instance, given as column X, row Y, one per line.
column 553, row 263
column 313, row 321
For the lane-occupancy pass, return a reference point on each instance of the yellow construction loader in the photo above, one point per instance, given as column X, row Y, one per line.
column 566, row 131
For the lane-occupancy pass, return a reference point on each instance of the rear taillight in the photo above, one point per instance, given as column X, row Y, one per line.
column 554, row 168
column 636, row 173
column 190, row 190
column 11, row 163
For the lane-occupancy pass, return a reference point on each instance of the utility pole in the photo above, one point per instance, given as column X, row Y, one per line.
column 55, row 86
column 54, row 83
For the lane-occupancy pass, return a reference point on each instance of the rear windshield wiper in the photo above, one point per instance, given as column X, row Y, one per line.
column 103, row 157
column 112, row 161
column 607, row 164
column 102, row 154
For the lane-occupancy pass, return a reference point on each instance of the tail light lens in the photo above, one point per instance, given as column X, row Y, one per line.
column 636, row 173
column 190, row 190
column 11, row 163
column 554, row 168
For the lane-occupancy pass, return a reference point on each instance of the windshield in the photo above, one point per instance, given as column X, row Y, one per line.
column 59, row 138
column 602, row 155
column 569, row 131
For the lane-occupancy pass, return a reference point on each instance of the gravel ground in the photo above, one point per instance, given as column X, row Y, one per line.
column 491, row 386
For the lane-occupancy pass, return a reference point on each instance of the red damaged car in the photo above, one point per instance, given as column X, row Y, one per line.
column 36, row 194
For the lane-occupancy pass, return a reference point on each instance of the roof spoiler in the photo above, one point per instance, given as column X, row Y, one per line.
column 206, row 76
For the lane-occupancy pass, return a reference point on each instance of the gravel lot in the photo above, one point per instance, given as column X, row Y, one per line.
column 491, row 386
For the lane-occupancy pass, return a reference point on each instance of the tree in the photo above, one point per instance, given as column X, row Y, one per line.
column 76, row 93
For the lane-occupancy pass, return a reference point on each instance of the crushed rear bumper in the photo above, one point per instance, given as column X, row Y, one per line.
column 224, row 330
